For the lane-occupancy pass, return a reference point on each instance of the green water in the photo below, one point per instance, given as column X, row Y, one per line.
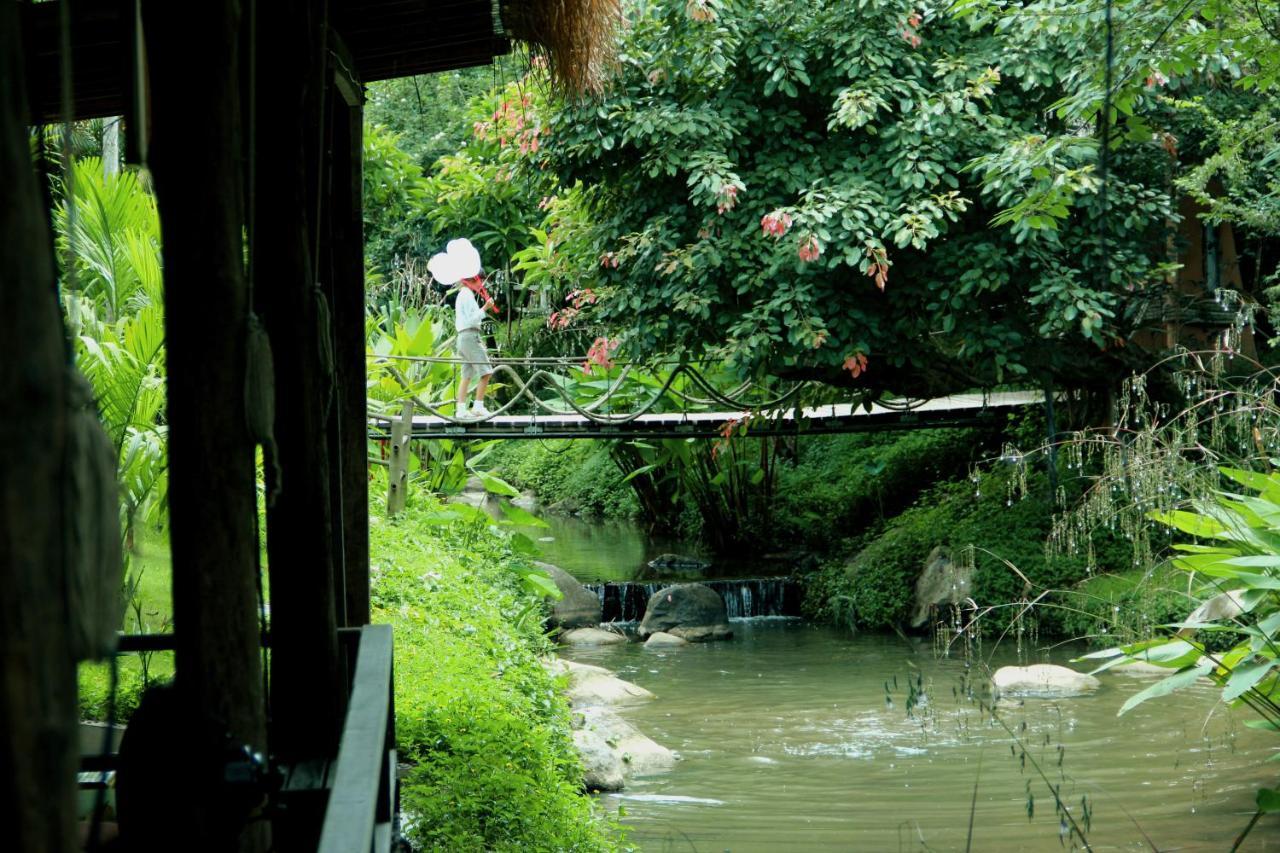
column 594, row 550
column 788, row 744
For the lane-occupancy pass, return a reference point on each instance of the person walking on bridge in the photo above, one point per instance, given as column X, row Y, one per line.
column 460, row 264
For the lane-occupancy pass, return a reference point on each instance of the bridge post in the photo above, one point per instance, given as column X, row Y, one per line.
column 398, row 470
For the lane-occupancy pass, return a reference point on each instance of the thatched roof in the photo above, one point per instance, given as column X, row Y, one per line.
column 384, row 38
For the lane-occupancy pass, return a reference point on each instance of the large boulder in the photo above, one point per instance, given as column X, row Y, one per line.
column 941, row 584
column 689, row 611
column 590, row 637
column 613, row 750
column 1042, row 680
column 578, row 606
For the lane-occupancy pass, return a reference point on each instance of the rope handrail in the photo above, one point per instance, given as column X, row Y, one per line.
column 563, row 401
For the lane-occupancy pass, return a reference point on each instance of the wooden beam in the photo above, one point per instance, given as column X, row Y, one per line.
column 307, row 692
column 193, row 51
column 38, row 739
column 346, row 245
column 363, row 782
column 387, row 38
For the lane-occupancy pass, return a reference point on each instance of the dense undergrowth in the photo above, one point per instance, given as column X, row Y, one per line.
column 873, row 506
column 483, row 722
column 567, row 476
column 873, row 588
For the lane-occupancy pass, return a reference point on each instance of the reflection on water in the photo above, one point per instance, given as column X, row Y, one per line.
column 795, row 738
column 596, row 550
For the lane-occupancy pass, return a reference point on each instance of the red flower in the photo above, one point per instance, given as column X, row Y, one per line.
column 776, row 223
column 856, row 364
column 878, row 269
column 599, row 354
column 809, row 249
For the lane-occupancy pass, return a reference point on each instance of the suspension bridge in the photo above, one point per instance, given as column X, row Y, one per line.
column 543, row 399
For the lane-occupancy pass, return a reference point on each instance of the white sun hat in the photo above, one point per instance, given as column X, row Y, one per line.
column 459, row 260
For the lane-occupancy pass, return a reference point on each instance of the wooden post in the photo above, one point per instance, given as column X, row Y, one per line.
column 195, row 157
column 308, row 697
column 38, row 744
column 346, row 227
column 398, row 472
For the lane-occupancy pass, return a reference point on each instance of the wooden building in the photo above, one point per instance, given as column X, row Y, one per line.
column 248, row 115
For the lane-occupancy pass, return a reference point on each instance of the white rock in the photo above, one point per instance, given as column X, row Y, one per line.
column 605, row 690
column 662, row 638
column 590, row 637
column 601, row 764
column 1042, row 680
column 611, row 747
column 571, row 668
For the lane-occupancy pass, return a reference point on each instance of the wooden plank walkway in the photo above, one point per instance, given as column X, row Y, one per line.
column 953, row 411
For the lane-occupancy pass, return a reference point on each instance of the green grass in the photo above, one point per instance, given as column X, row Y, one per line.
column 485, row 725
column 150, row 613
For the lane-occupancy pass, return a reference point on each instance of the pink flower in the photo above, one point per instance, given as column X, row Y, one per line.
column 809, row 249
column 776, row 223
column 856, row 364
column 598, row 355
column 728, row 198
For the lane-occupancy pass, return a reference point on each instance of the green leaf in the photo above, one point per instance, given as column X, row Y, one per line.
column 1189, row 522
column 1268, row 800
column 522, row 544
column 497, row 486
column 540, row 583
column 520, row 516
column 1244, row 677
column 1165, row 686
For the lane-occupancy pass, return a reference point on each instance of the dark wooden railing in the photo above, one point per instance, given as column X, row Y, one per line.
column 361, row 814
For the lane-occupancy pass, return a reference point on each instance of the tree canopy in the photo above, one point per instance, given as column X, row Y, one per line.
column 876, row 193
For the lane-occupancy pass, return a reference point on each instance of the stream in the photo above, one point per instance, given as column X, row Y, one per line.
column 796, row 737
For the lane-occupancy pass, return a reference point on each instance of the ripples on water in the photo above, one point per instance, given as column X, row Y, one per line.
column 789, row 743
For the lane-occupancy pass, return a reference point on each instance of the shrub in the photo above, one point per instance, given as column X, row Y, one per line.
column 571, row 476
column 875, row 588
column 481, row 720
column 842, row 484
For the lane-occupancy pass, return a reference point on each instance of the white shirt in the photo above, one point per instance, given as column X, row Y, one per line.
column 468, row 315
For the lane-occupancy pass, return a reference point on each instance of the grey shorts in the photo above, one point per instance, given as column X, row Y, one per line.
column 475, row 359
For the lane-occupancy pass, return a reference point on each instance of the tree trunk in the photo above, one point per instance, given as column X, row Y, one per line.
column 38, row 746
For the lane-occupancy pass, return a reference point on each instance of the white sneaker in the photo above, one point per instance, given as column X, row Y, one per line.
column 462, row 413
column 478, row 410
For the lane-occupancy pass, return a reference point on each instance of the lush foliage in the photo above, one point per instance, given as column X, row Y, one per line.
column 1001, row 525
column 1233, row 569
column 394, row 197
column 803, row 190
column 427, row 111
column 567, row 476
column 482, row 721
column 112, row 286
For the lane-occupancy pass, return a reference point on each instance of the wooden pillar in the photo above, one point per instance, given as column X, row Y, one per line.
column 307, row 696
column 195, row 158
column 346, row 228
column 38, row 746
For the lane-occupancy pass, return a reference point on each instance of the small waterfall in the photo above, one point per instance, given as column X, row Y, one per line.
column 743, row 599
